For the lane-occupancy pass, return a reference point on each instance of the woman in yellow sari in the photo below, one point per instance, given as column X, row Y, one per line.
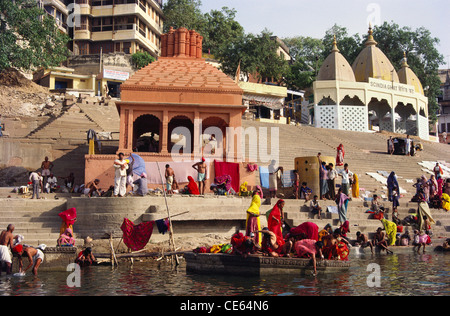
column 446, row 202
column 253, row 223
column 391, row 231
column 355, row 186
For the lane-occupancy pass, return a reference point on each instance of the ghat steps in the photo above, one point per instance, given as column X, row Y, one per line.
column 39, row 222
column 365, row 152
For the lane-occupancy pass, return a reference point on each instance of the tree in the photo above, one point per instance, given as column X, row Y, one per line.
column 141, row 59
column 349, row 46
column 29, row 38
column 222, row 29
column 256, row 55
column 184, row 13
column 306, row 54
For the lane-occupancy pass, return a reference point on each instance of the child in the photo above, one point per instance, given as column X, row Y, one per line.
column 296, row 183
column 405, row 239
column 305, row 192
column 315, row 207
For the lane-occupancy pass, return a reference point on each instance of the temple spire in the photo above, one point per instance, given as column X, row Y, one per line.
column 370, row 40
column 335, row 49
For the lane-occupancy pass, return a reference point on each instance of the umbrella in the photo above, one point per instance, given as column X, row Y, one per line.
column 139, row 164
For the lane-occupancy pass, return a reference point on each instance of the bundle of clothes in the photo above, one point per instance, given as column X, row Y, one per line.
column 219, row 248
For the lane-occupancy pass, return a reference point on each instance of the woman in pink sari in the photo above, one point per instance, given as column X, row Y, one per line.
column 66, row 239
column 340, row 155
column 275, row 219
column 307, row 248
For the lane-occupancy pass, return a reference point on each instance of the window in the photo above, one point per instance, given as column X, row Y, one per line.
column 83, row 48
column 127, row 47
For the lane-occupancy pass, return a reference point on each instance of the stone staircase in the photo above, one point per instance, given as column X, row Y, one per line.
column 365, row 152
column 39, row 222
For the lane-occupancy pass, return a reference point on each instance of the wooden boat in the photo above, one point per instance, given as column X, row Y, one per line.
column 253, row 265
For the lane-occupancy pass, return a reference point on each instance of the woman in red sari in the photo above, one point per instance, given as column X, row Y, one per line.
column 340, row 155
column 192, row 186
column 275, row 219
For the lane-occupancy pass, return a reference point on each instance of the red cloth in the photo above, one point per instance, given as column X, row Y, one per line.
column 309, row 230
column 274, row 225
column 345, row 228
column 69, row 216
column 136, row 236
column 228, row 168
column 192, row 186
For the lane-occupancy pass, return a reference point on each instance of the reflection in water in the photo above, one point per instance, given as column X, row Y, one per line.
column 401, row 274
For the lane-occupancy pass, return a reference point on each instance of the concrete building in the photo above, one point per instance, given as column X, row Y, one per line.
column 58, row 10
column 444, row 107
column 105, row 35
column 370, row 94
column 126, row 26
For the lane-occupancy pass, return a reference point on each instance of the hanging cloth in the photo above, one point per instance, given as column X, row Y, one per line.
column 163, row 225
column 136, row 236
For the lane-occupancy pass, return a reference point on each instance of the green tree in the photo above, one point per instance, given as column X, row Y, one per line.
column 349, row 46
column 256, row 55
column 184, row 13
column 29, row 38
column 141, row 59
column 306, row 54
column 222, row 29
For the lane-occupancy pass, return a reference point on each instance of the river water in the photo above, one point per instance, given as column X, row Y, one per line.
column 399, row 274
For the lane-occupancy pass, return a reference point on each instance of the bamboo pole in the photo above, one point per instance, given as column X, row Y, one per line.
column 171, row 241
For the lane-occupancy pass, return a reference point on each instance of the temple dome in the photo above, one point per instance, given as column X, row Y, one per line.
column 336, row 67
column 407, row 76
column 373, row 63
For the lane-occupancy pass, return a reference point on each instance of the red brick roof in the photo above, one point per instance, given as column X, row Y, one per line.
column 181, row 73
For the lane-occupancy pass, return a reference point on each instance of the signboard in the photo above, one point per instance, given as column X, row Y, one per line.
column 115, row 74
column 389, row 85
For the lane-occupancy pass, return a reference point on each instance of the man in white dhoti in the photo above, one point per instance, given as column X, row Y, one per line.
column 120, row 177
column 6, row 243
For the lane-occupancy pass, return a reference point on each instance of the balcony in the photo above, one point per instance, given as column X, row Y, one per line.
column 127, row 9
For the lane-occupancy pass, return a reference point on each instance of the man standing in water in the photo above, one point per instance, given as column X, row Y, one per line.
column 201, row 169
column 6, row 239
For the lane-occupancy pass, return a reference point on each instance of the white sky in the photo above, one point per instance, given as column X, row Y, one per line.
column 287, row 18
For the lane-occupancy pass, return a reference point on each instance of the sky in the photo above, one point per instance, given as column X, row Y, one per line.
column 289, row 18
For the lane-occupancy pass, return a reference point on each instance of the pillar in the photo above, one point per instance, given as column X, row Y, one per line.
column 197, row 149
column 199, row 46
column 170, row 42
column 164, row 131
column 193, row 52
column 164, row 45
column 188, row 44
column 182, row 42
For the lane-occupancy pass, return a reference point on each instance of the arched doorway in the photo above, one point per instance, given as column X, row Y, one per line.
column 146, row 134
column 181, row 135
column 213, row 137
column 379, row 115
column 406, row 119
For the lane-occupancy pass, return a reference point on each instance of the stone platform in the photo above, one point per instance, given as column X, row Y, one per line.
column 208, row 263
